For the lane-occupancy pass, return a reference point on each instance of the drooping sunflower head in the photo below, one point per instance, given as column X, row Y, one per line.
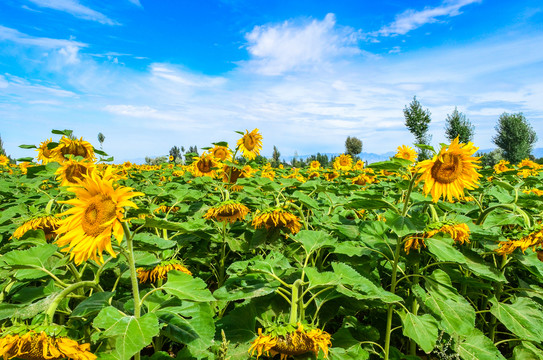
column 221, row 153
column 96, row 214
column 67, row 146
column 228, row 211
column 47, row 223
column 343, row 162
column 451, row 171
column 46, row 154
column 41, row 346
column 71, row 171
column 250, row 144
column 407, row 153
column 205, row 165
column 277, row 218
column 160, row 272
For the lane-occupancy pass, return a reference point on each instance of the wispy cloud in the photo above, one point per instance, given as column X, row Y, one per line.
column 16, row 36
column 73, row 7
column 412, row 19
column 280, row 48
column 136, row 2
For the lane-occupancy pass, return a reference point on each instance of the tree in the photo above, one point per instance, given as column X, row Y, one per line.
column 353, row 146
column 175, row 152
column 515, row 137
column 457, row 125
column 276, row 155
column 2, row 150
column 491, row 158
column 101, row 138
column 417, row 121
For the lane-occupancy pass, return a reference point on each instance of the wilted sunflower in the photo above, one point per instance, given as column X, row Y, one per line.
column 458, row 232
column 221, row 153
column 160, row 272
column 33, row 346
column 96, row 215
column 297, row 342
column 532, row 240
column 363, row 179
column 407, row 153
column 343, row 162
column 250, row 144
column 67, row 146
column 277, row 218
column 45, row 154
column 205, row 165
column 451, row 171
column 228, row 211
column 72, row 171
column 46, row 223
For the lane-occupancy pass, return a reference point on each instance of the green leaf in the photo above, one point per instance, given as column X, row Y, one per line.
column 186, row 287
column 131, row 334
column 523, row 318
column 477, row 264
column 313, row 240
column 92, row 305
column 354, row 352
column 476, row 346
column 185, row 227
column 305, row 199
column 403, row 225
column 27, row 260
column 443, row 249
column 357, row 286
column 527, row 351
column 368, row 204
column 325, row 278
column 421, row 328
column 64, row 132
column 25, row 159
column 27, row 146
column 246, row 287
column 152, row 242
column 190, row 324
column 100, row 152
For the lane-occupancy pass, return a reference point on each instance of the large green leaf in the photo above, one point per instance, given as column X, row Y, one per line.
column 527, row 351
column 186, row 287
column 476, row 346
column 443, row 249
column 313, row 240
column 152, row 242
column 421, row 328
column 477, row 264
column 246, row 287
column 353, row 284
column 92, row 305
column 184, row 227
column 131, row 334
column 403, row 225
column 191, row 324
column 523, row 318
column 325, row 278
column 305, row 199
column 30, row 261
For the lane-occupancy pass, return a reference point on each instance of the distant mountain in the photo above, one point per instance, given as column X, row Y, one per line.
column 369, row 157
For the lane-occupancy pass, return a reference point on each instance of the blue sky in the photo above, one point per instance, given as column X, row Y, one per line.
column 153, row 74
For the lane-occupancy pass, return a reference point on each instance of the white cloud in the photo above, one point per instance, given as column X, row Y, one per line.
column 76, row 9
column 16, row 36
column 136, row 2
column 412, row 19
column 277, row 49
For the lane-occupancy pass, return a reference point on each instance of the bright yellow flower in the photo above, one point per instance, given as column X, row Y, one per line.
column 221, row 153
column 501, row 166
column 96, row 215
column 343, row 162
column 451, row 171
column 407, row 153
column 46, row 155
column 250, row 144
column 4, row 160
column 75, row 147
column 205, row 165
column 314, row 165
column 71, row 171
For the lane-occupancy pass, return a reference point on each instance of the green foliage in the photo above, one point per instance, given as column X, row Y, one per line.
column 101, row 138
column 417, row 121
column 457, row 125
column 515, row 136
column 353, row 146
column 491, row 158
column 276, row 157
column 175, row 152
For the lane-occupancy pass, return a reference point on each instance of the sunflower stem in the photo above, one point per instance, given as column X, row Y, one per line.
column 294, row 302
column 390, row 308
column 50, row 313
column 222, row 274
column 133, row 273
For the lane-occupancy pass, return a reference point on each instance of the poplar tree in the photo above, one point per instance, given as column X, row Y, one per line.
column 515, row 136
column 417, row 121
column 457, row 125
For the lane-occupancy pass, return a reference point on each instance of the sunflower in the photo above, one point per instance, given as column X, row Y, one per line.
column 294, row 343
column 501, row 166
column 532, row 240
column 160, row 272
column 46, row 223
column 33, row 346
column 331, row 175
column 228, row 211
column 407, row 153
column 221, row 153
column 72, row 171
column 45, row 154
column 359, row 165
column 363, row 179
column 314, row 165
column 74, row 147
column 205, row 165
column 343, row 162
column 4, row 160
column 451, row 171
column 533, row 191
column 171, row 158
column 97, row 213
column 458, row 232
column 250, row 144
column 277, row 218
column 166, row 209
column 528, row 163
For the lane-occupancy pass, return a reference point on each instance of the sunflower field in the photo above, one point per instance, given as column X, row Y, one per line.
column 438, row 259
